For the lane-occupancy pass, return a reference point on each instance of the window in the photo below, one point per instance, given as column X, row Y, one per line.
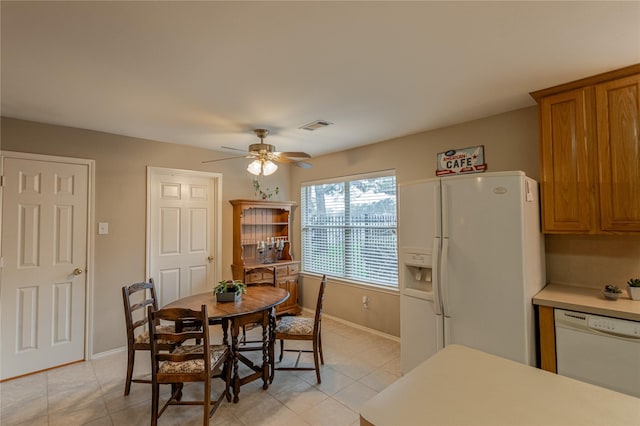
column 349, row 228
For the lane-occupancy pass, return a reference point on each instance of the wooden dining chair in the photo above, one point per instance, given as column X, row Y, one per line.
column 260, row 275
column 136, row 298
column 187, row 362
column 304, row 328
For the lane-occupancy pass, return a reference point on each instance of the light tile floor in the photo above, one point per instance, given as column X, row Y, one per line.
column 358, row 365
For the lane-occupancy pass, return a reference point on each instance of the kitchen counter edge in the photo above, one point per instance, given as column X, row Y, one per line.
column 587, row 300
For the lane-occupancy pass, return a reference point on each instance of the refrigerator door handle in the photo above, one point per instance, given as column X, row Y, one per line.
column 437, row 301
column 437, row 211
column 444, row 218
column 442, row 277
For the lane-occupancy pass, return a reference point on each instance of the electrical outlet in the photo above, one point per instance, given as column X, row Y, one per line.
column 365, row 302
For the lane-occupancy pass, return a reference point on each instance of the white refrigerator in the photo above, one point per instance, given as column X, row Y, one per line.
column 471, row 257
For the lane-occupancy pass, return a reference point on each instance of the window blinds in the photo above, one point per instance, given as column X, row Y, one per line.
column 349, row 229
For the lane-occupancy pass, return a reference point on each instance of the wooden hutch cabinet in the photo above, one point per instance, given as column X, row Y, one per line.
column 590, row 154
column 262, row 248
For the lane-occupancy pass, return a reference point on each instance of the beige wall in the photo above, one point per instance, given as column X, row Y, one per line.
column 510, row 141
column 120, row 200
column 592, row 261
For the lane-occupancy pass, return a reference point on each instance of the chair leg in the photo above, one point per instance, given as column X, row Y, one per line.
column 206, row 401
column 320, row 348
column 315, row 361
column 131, row 355
column 155, row 397
column 227, row 378
column 281, row 349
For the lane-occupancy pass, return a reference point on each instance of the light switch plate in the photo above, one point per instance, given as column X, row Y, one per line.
column 103, row 228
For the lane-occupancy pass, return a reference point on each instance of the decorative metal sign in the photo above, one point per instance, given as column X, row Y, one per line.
column 461, row 161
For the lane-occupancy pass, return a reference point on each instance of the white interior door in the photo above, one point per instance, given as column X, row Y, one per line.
column 44, row 253
column 182, row 229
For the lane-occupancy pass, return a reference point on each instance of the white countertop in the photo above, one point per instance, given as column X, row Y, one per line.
column 588, row 300
column 463, row 386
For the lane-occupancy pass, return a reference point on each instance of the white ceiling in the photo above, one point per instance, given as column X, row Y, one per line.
column 206, row 73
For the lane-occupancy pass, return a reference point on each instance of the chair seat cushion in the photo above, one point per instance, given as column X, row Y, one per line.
column 144, row 337
column 301, row 326
column 218, row 354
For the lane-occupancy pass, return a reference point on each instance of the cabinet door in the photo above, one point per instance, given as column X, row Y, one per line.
column 618, row 111
column 291, row 304
column 567, row 160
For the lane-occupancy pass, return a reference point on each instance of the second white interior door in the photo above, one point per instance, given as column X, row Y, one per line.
column 182, row 211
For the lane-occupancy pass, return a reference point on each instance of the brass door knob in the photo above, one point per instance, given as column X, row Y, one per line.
column 77, row 271
column 210, row 258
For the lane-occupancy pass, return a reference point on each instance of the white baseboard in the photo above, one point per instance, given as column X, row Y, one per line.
column 109, row 352
column 354, row 325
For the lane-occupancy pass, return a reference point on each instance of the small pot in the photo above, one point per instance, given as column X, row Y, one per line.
column 610, row 295
column 634, row 292
column 227, row 296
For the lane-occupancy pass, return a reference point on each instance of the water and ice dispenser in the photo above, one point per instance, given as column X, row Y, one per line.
column 417, row 271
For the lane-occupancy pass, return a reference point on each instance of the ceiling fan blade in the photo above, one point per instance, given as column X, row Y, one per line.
column 296, row 163
column 293, row 154
column 280, row 159
column 234, row 149
column 228, row 158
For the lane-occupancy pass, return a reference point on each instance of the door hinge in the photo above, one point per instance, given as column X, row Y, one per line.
column 1, row 180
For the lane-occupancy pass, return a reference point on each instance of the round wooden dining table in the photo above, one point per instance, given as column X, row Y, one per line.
column 256, row 306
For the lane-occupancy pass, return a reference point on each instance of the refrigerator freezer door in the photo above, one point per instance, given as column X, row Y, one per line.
column 419, row 215
column 485, row 294
column 420, row 331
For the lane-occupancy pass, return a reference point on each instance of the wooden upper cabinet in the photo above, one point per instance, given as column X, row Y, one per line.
column 590, row 154
column 618, row 104
column 566, row 161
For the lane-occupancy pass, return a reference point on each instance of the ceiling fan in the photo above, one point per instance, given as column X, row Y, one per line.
column 265, row 156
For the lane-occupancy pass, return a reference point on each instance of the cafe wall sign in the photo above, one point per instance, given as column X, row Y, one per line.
column 461, row 161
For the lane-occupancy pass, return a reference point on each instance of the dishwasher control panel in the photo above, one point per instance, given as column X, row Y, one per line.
column 584, row 322
column 612, row 325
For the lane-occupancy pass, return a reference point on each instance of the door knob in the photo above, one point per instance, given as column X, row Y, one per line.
column 77, row 271
column 210, row 258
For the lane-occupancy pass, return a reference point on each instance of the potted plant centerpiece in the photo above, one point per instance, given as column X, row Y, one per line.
column 229, row 290
column 633, row 288
column 611, row 292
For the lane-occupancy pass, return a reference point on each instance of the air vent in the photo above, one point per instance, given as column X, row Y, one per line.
column 315, row 125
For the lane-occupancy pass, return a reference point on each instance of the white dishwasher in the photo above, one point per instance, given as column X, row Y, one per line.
column 599, row 350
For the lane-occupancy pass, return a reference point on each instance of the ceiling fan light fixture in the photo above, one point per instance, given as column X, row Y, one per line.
column 255, row 167
column 269, row 168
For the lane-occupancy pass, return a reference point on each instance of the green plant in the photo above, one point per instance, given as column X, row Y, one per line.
column 634, row 282
column 609, row 288
column 230, row 286
column 267, row 193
